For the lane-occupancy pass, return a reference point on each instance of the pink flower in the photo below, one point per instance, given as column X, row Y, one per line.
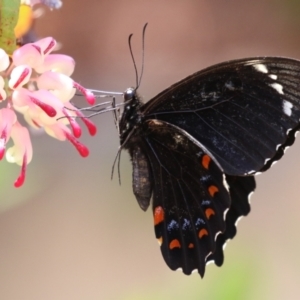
column 37, row 84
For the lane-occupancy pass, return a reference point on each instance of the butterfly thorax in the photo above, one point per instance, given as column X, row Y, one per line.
column 131, row 116
column 130, row 139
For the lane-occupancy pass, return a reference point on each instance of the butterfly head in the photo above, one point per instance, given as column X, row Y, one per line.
column 129, row 94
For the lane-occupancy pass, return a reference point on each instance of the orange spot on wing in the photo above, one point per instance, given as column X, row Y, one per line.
column 202, row 233
column 191, row 245
column 212, row 190
column 160, row 241
column 159, row 215
column 209, row 212
column 174, row 244
column 206, row 161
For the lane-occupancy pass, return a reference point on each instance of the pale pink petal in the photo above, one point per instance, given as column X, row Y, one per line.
column 59, row 84
column 3, row 94
column 64, row 115
column 31, row 121
column 57, row 131
column 2, row 82
column 7, row 119
column 22, row 145
column 4, row 60
column 20, row 75
column 48, row 109
column 46, row 44
column 2, row 90
column 25, row 101
column 21, row 100
column 21, row 152
column 58, row 63
column 28, row 55
column 50, row 100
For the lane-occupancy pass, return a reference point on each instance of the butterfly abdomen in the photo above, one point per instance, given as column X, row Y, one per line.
column 141, row 177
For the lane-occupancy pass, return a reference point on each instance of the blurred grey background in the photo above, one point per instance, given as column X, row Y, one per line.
column 72, row 233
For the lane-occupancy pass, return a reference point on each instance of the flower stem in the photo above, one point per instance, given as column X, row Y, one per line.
column 9, row 12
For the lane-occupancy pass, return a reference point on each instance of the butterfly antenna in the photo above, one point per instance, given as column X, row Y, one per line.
column 143, row 54
column 117, row 158
column 115, row 114
column 133, row 60
column 119, row 173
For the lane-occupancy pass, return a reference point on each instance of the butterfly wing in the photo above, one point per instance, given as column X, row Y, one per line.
column 190, row 196
column 240, row 189
column 245, row 112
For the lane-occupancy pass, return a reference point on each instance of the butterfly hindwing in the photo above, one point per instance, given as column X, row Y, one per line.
column 190, row 197
column 242, row 111
column 240, row 189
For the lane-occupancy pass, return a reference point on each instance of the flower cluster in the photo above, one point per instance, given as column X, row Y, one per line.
column 37, row 85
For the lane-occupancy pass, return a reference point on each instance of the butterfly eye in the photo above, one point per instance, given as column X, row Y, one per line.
column 129, row 94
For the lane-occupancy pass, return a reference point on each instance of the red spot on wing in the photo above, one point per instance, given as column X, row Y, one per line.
column 212, row 190
column 206, row 161
column 174, row 244
column 202, row 233
column 159, row 215
column 209, row 212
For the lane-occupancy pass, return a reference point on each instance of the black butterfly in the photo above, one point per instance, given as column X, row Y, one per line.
column 196, row 146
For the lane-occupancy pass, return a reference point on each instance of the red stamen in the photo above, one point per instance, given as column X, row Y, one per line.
column 37, row 48
column 49, row 110
column 74, row 125
column 20, row 180
column 2, row 151
column 89, row 124
column 4, row 134
column 89, row 96
column 50, row 46
column 21, row 78
column 82, row 149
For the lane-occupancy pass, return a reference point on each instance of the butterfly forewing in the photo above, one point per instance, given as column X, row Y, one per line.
column 241, row 111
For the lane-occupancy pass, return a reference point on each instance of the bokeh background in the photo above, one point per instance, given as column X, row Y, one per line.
column 72, row 233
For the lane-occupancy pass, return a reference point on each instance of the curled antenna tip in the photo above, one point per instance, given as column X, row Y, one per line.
column 137, row 78
column 133, row 60
column 145, row 26
column 143, row 54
